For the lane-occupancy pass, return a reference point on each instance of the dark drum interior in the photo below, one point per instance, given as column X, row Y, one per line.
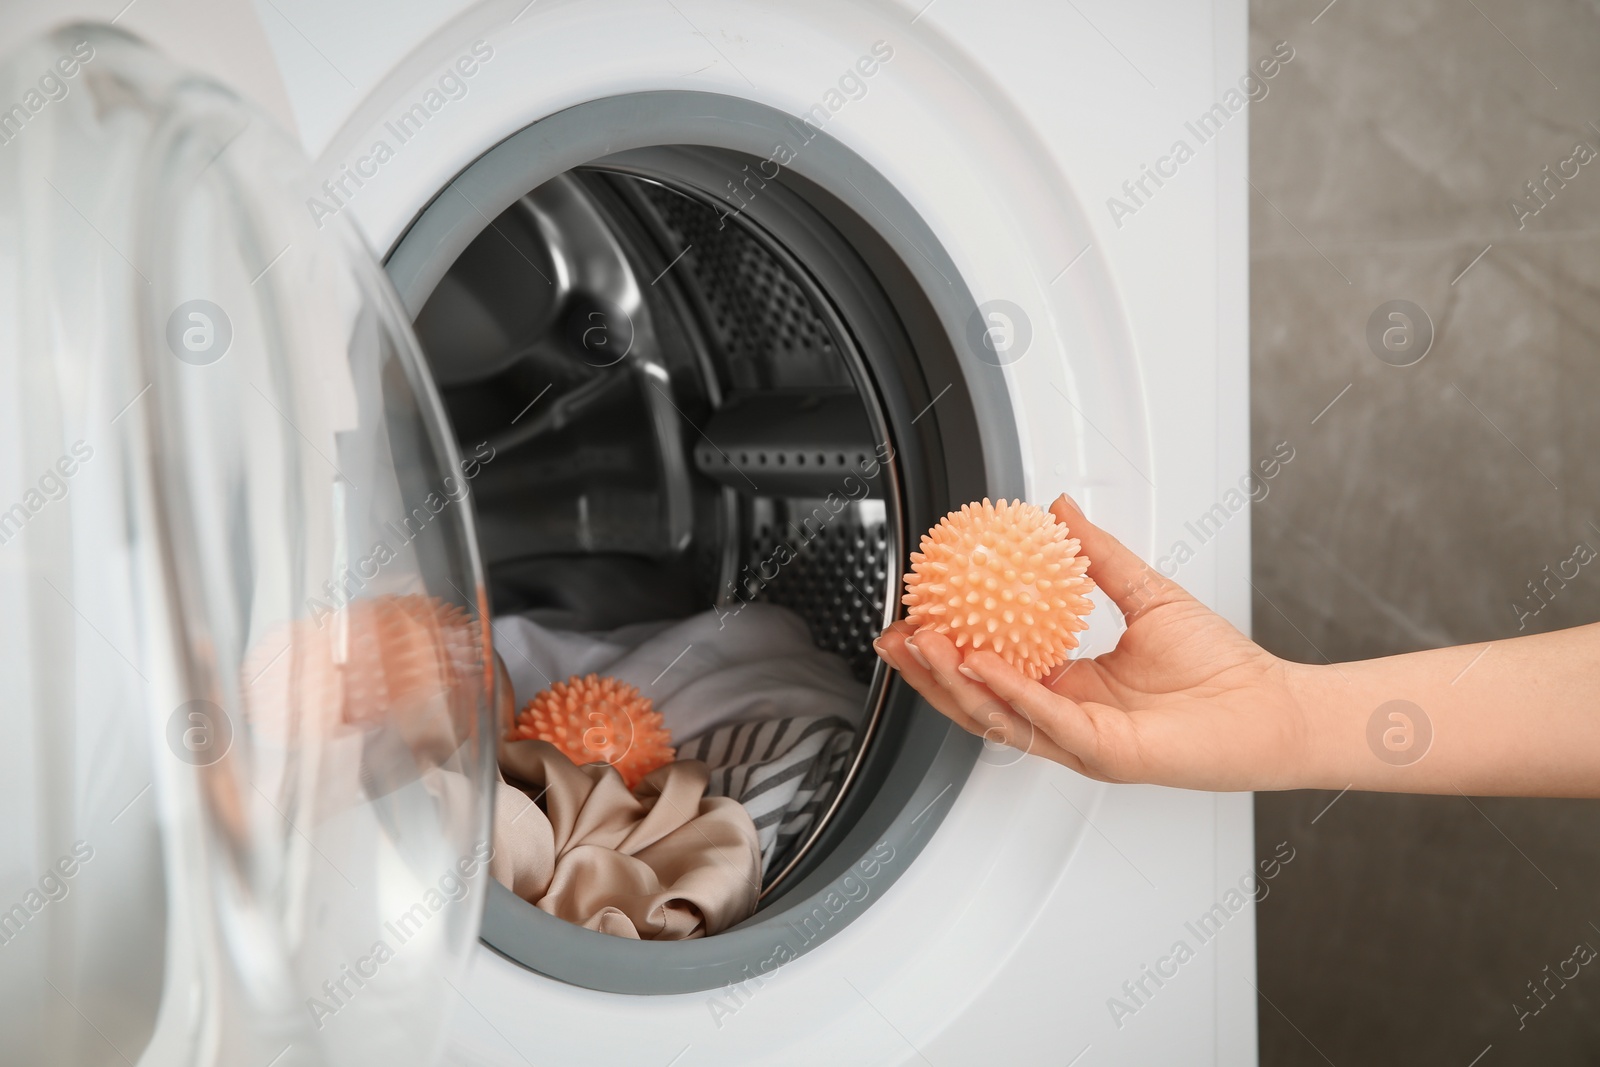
column 667, row 415
column 692, row 380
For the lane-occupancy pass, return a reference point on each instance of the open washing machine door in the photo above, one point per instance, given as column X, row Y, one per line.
column 246, row 682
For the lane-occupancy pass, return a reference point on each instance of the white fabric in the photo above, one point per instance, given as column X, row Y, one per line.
column 709, row 669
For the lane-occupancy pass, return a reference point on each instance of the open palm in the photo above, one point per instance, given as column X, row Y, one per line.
column 1184, row 699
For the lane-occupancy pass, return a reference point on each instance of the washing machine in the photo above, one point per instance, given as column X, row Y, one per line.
column 615, row 311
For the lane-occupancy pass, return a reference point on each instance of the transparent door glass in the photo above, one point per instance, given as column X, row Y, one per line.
column 243, row 651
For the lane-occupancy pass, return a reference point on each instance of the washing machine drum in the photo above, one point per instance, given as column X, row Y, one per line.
column 693, row 395
column 661, row 435
column 658, row 429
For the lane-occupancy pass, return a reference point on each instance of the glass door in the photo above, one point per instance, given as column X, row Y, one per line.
column 244, row 663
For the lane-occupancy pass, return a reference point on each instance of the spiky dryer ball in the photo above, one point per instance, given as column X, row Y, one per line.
column 1005, row 577
column 598, row 720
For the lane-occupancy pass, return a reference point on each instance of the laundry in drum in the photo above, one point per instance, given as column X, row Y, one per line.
column 601, row 823
column 1002, row 576
column 662, row 862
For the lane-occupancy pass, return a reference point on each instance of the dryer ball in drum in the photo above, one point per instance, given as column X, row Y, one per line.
column 592, row 719
column 1004, row 577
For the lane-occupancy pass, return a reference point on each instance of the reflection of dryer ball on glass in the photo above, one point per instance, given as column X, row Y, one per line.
column 1004, row 577
column 413, row 662
column 598, row 720
column 406, row 652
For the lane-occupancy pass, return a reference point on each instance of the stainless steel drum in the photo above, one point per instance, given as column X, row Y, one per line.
column 696, row 379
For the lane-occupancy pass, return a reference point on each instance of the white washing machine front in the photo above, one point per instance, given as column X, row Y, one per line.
column 996, row 908
column 1013, row 935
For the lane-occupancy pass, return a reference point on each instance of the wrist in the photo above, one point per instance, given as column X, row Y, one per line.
column 1314, row 691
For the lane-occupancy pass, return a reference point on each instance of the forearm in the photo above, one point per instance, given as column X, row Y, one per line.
column 1516, row 717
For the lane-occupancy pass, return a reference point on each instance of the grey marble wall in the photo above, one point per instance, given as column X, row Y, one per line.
column 1425, row 498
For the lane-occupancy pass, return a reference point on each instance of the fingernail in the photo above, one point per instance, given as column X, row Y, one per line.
column 916, row 654
column 1071, row 501
column 968, row 672
column 877, row 646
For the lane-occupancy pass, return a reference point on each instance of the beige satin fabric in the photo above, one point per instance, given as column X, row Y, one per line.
column 663, row 863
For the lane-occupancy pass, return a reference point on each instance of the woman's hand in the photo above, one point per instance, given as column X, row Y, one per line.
column 1183, row 700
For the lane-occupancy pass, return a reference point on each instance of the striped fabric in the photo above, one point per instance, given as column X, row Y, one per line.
column 784, row 772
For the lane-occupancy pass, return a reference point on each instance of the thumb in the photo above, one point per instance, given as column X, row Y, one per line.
column 1131, row 583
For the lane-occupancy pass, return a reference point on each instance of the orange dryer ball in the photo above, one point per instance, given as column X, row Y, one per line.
column 598, row 720
column 1003, row 577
